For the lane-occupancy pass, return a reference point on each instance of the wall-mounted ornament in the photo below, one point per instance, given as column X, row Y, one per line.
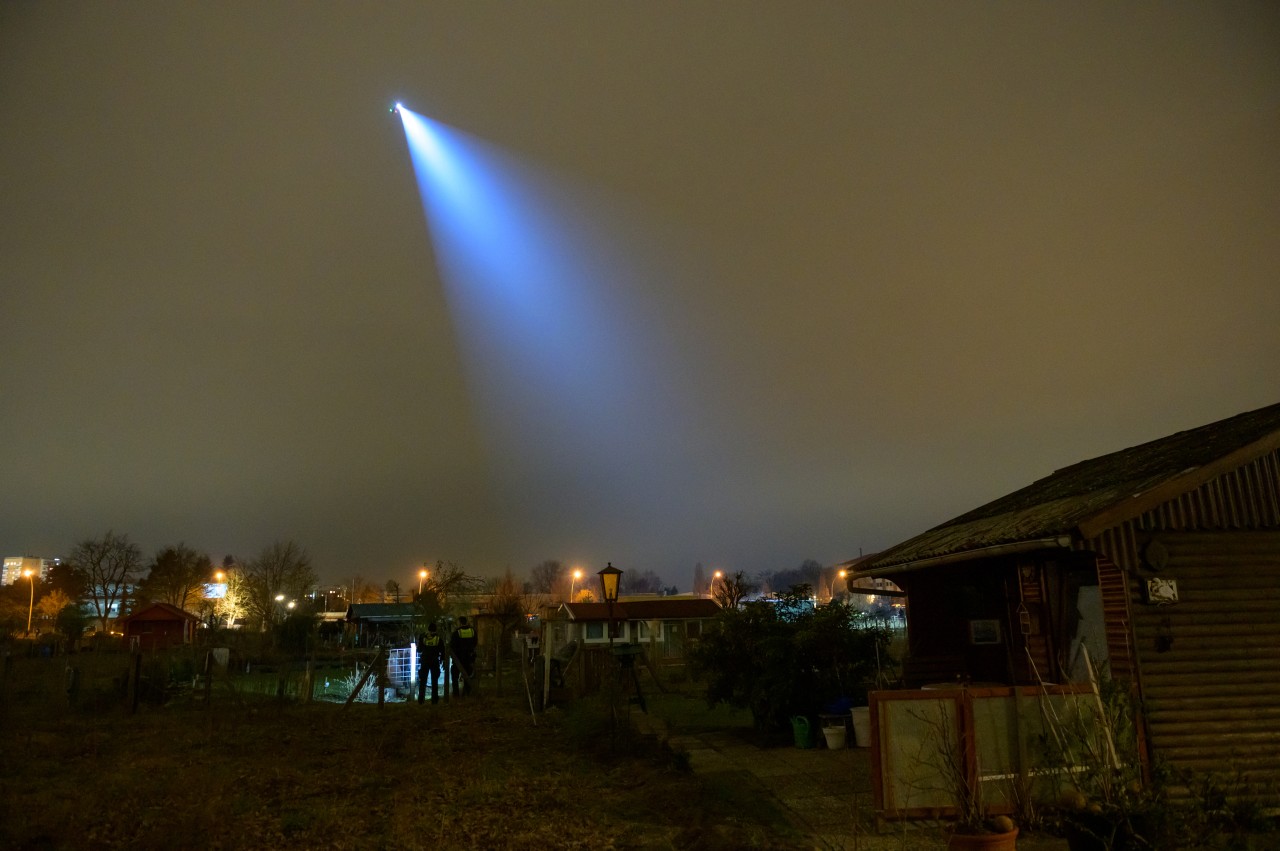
column 1155, row 555
column 1161, row 592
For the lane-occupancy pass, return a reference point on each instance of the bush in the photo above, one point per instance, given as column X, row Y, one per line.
column 782, row 657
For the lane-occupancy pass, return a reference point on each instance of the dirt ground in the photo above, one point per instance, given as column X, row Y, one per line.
column 472, row 773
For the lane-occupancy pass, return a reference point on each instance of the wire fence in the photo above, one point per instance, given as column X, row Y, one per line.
column 115, row 677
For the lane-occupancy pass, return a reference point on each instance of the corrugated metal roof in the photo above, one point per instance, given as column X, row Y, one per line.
column 1056, row 505
column 381, row 612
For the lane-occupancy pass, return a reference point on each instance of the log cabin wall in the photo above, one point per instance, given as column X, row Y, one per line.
column 1209, row 664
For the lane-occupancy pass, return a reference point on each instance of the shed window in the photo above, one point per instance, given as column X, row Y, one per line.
column 595, row 631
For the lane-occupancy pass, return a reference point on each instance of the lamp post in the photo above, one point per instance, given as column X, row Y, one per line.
column 422, row 577
column 719, row 574
column 577, row 574
column 609, row 587
column 31, row 576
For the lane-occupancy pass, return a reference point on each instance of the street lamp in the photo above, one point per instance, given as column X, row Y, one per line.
column 609, row 587
column 422, row 577
column 719, row 574
column 841, row 574
column 31, row 575
column 577, row 574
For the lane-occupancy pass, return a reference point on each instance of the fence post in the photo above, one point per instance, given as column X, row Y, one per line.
column 208, row 678
column 137, row 680
column 355, row 691
column 308, row 682
column 73, row 686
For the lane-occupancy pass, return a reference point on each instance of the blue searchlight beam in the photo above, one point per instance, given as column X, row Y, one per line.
column 571, row 373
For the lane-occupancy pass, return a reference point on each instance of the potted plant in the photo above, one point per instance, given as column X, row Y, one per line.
column 953, row 761
column 975, row 828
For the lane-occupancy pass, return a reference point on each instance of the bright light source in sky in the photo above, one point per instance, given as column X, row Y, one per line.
column 571, row 373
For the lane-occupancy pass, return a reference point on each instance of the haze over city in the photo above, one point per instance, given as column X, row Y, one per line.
column 775, row 282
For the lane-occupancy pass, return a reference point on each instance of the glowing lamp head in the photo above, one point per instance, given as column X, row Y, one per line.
column 395, row 108
column 609, row 582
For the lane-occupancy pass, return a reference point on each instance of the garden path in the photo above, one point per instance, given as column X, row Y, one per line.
column 827, row 793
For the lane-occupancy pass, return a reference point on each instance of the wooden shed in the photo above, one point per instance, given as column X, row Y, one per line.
column 649, row 630
column 1161, row 560
column 389, row 623
column 159, row 625
column 663, row 625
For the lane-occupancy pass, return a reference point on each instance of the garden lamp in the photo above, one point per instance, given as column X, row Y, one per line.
column 609, row 587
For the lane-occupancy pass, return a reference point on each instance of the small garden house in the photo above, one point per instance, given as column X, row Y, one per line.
column 664, row 624
column 158, row 625
column 1159, row 564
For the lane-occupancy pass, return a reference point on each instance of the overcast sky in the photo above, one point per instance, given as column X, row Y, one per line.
column 869, row 265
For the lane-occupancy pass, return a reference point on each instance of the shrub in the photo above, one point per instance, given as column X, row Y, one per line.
column 782, row 657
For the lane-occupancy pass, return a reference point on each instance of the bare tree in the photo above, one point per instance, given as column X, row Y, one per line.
column 393, row 591
column 699, row 579
column 508, row 606
column 640, row 582
column 230, row 606
column 280, row 570
column 547, row 577
column 446, row 588
column 178, row 574
column 51, row 603
column 732, row 590
column 808, row 573
column 107, row 567
column 363, row 591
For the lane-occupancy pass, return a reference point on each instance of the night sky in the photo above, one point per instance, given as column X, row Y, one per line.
column 828, row 273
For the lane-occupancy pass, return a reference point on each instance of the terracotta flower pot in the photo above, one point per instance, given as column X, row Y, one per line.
column 984, row 841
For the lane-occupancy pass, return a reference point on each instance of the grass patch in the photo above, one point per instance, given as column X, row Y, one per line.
column 262, row 773
column 689, row 713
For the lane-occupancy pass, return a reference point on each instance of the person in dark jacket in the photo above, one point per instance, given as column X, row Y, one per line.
column 463, row 645
column 430, row 657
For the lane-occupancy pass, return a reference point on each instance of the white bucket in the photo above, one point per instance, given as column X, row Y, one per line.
column 861, row 726
column 835, row 737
